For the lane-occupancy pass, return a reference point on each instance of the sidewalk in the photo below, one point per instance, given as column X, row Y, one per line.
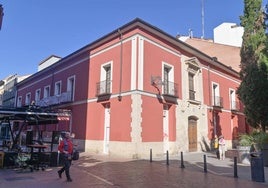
column 101, row 171
column 218, row 167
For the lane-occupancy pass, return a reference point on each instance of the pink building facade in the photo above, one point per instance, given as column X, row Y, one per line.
column 136, row 89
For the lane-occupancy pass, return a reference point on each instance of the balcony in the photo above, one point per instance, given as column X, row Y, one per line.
column 9, row 94
column 170, row 89
column 191, row 95
column 170, row 92
column 192, row 98
column 103, row 88
column 235, row 106
column 217, row 101
column 56, row 99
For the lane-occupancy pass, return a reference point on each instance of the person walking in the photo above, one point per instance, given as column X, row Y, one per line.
column 216, row 146
column 222, row 147
column 66, row 150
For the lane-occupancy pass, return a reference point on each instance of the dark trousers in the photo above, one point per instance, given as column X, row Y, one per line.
column 66, row 166
column 217, row 153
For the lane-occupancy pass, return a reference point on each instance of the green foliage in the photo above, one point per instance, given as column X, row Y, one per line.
column 260, row 138
column 255, row 138
column 246, row 140
column 253, row 90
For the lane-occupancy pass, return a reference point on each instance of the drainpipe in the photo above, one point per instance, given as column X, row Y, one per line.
column 209, row 88
column 121, row 61
column 210, row 103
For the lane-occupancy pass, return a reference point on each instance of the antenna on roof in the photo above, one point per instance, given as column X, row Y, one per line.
column 190, row 33
column 203, row 19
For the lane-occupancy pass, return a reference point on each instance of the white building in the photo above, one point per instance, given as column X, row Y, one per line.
column 8, row 89
column 48, row 61
column 229, row 34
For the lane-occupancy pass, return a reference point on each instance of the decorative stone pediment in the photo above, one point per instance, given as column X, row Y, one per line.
column 193, row 65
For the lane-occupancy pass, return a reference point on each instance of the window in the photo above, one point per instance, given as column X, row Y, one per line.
column 166, row 79
column 28, row 99
column 46, row 91
column 194, row 80
column 19, row 102
column 217, row 100
column 4, row 131
column 108, row 77
column 233, row 104
column 105, row 85
column 191, row 86
column 37, row 95
column 70, row 87
column 169, row 87
column 57, row 90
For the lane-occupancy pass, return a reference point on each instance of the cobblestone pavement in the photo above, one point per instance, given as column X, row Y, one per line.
column 98, row 171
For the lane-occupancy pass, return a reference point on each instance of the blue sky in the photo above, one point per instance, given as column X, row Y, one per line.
column 32, row 30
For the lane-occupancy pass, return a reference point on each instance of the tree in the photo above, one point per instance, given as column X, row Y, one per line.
column 253, row 90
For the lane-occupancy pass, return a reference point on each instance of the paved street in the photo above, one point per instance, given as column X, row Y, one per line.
column 101, row 171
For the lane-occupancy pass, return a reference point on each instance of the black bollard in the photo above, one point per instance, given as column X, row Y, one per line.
column 182, row 163
column 205, row 164
column 167, row 158
column 235, row 167
column 151, row 155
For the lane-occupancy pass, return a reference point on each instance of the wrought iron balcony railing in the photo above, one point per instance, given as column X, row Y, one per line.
column 170, row 88
column 217, row 101
column 56, row 99
column 9, row 94
column 235, row 105
column 103, row 88
column 191, row 95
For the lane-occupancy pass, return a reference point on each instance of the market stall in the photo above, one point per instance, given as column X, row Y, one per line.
column 20, row 132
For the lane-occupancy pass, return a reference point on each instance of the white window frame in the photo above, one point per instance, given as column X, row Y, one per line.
column 216, row 93
column 103, row 73
column 46, row 91
column 194, row 68
column 57, row 90
column 170, row 75
column 19, row 101
column 71, row 86
column 37, row 95
column 232, row 98
column 28, row 99
column 103, row 70
column 171, row 72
